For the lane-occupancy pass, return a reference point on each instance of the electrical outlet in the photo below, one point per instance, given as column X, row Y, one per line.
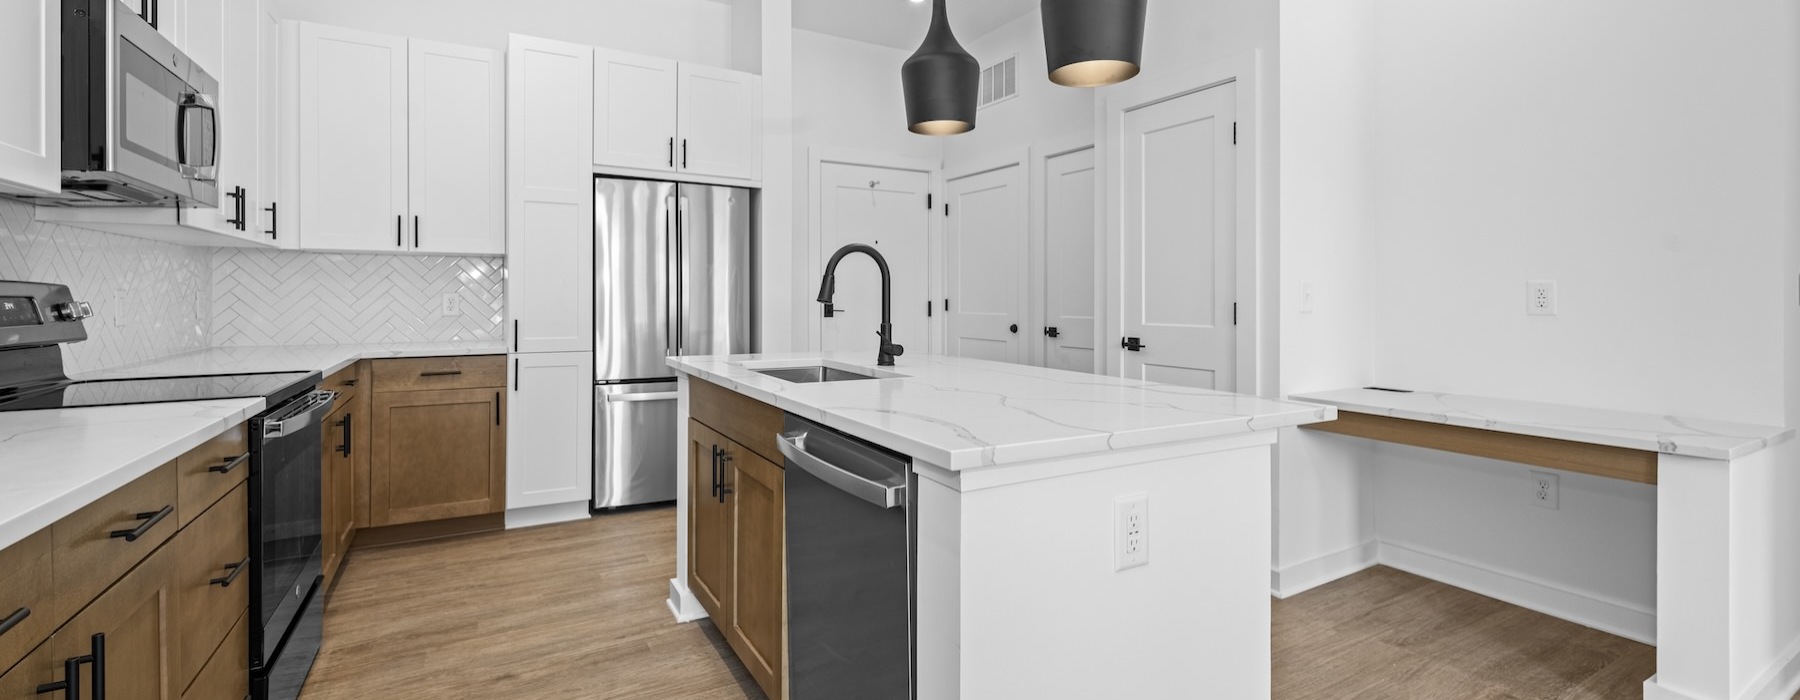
column 452, row 305
column 1543, row 489
column 1540, row 298
column 1131, row 530
column 1306, row 297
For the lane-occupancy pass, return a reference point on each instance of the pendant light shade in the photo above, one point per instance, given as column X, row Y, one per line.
column 1091, row 43
column 941, row 82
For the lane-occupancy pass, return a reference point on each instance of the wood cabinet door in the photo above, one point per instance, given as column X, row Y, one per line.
column 134, row 624
column 719, row 123
column 634, row 111
column 709, row 527
column 333, row 443
column 342, row 525
column 39, row 668
column 756, row 627
column 436, row 455
column 352, row 106
column 31, row 114
column 457, row 152
column 212, row 583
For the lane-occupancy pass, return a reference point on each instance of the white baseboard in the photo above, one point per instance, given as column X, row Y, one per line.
column 1611, row 616
column 682, row 603
column 547, row 515
column 1781, row 681
column 1320, row 570
column 1654, row 691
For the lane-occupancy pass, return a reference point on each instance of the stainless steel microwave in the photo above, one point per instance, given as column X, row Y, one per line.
column 140, row 119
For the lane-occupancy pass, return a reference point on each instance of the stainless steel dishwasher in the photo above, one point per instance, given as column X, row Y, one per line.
column 850, row 556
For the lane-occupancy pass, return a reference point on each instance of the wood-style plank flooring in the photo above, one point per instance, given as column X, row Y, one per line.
column 577, row 611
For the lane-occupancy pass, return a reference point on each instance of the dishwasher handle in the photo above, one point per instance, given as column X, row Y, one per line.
column 883, row 494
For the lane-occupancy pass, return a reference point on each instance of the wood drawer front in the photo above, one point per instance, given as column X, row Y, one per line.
column 427, row 373
column 744, row 420
column 227, row 675
column 211, row 470
column 347, row 382
column 27, row 613
column 41, row 667
column 88, row 557
column 211, row 550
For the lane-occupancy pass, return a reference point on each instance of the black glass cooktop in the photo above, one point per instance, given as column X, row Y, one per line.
column 274, row 387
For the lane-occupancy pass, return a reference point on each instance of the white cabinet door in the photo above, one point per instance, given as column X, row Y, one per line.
column 634, row 111
column 222, row 38
column 550, row 195
column 458, row 149
column 353, row 140
column 549, row 420
column 31, row 113
column 720, row 117
column 272, row 133
column 202, row 31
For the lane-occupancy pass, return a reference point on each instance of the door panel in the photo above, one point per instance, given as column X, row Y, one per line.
column 353, row 123
column 715, row 255
column 137, row 618
column 550, row 410
column 1179, row 281
column 634, row 111
column 457, row 149
column 1069, row 261
column 718, row 123
column 709, row 527
column 985, row 273
column 550, row 195
column 634, row 240
column 758, row 508
column 634, row 444
column 31, row 114
column 883, row 208
column 438, row 455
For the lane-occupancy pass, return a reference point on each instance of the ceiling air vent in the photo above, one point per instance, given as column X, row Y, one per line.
column 999, row 82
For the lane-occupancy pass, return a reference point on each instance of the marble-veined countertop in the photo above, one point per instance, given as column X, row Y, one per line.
column 1676, row 435
column 54, row 462
column 960, row 413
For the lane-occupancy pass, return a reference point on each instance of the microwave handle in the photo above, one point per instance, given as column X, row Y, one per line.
column 199, row 161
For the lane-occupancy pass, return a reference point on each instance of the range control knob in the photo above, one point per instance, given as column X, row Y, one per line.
column 72, row 310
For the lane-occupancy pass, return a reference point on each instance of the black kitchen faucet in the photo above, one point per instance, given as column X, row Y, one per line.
column 889, row 349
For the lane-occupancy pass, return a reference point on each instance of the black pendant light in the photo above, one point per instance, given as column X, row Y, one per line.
column 941, row 82
column 1091, row 43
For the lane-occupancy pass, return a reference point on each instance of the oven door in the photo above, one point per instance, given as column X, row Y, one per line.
column 164, row 116
column 285, row 518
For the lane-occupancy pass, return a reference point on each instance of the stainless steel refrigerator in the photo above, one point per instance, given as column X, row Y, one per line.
column 673, row 275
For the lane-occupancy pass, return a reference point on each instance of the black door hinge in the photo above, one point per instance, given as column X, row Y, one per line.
column 927, row 308
column 1234, row 313
column 1234, row 133
column 946, row 208
column 946, row 306
column 928, row 203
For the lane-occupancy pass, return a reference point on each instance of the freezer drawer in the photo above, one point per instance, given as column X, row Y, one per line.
column 634, row 444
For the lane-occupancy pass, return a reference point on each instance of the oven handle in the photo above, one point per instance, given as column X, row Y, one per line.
column 301, row 413
column 886, row 495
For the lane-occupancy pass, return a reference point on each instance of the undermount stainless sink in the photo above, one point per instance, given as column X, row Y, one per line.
column 812, row 375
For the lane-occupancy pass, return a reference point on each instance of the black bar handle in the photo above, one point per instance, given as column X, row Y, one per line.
column 441, row 373
column 344, row 447
column 724, row 488
column 274, row 222
column 518, row 380
column 229, row 464
column 496, row 408
column 399, row 231
column 671, row 151
column 97, row 654
column 415, row 231
column 70, row 685
column 236, row 569
column 150, row 521
column 684, row 154
column 237, row 208
column 715, row 472
column 14, row 619
column 350, row 382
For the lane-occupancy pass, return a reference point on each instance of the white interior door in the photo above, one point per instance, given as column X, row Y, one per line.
column 1069, row 262
column 985, row 242
column 884, row 208
column 457, row 151
column 1179, row 222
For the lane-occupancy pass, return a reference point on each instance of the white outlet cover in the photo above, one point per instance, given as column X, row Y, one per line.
column 1540, row 298
column 1131, row 531
column 452, row 305
column 1544, row 489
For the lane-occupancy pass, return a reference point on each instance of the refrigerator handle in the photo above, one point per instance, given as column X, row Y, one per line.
column 668, row 277
column 681, row 270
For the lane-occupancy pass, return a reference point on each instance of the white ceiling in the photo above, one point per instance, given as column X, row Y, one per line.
column 901, row 23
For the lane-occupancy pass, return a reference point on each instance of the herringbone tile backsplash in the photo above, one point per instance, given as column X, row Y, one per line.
column 151, row 299
column 262, row 297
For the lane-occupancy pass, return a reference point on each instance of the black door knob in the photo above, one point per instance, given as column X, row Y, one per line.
column 1014, row 328
column 1132, row 344
column 1051, row 332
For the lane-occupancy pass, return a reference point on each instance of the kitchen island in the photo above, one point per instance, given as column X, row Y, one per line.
column 1025, row 583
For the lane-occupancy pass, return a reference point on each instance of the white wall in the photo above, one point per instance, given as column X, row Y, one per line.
column 699, row 31
column 1042, row 111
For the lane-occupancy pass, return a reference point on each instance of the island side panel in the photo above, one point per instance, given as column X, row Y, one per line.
column 937, row 584
column 1039, row 590
column 682, row 602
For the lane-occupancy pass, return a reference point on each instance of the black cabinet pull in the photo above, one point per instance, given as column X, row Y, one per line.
column 350, row 382
column 14, row 619
column 236, row 569
column 97, row 654
column 150, row 521
column 415, row 231
column 70, row 685
column 344, row 447
column 496, row 408
column 518, row 381
column 715, row 472
column 274, row 224
column 237, row 208
column 441, row 373
column 1132, row 344
column 671, row 151
column 684, row 154
column 724, row 488
column 399, row 231
column 1051, row 332
column 229, row 464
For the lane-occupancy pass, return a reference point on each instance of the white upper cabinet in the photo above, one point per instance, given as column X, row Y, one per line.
column 719, row 123
column 550, row 195
column 655, row 116
column 353, row 140
column 165, row 15
column 31, row 113
column 457, row 148
column 224, row 38
column 400, row 144
column 271, row 151
column 634, row 111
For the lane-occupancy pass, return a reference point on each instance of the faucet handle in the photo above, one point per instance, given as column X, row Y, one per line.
column 894, row 349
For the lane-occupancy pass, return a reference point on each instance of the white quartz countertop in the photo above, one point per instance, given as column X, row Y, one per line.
column 960, row 413
column 1693, row 437
column 54, row 462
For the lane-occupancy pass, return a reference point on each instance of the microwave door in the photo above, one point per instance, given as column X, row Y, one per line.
column 165, row 122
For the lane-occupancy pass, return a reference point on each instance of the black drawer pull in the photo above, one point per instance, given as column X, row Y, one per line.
column 350, row 382
column 445, row 373
column 14, row 619
column 226, row 580
column 150, row 521
column 230, row 464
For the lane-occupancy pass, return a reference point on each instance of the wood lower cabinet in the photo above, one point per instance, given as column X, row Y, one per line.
column 133, row 626
column 26, row 598
column 212, row 580
column 437, row 454
column 227, row 674
column 737, row 563
column 40, row 668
